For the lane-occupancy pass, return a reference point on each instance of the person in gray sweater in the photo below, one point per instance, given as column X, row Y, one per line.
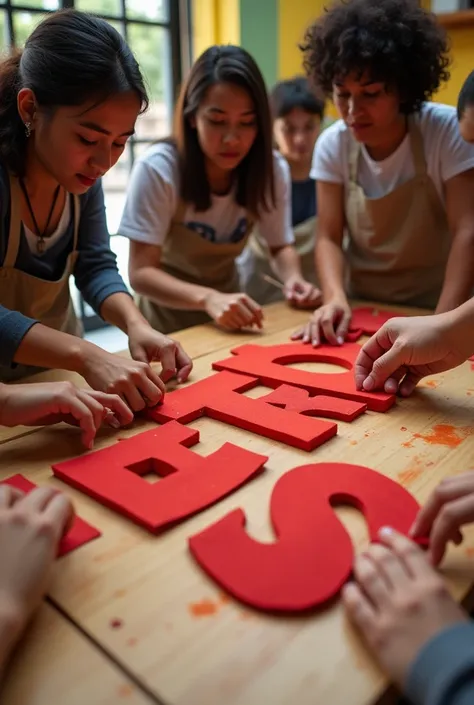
column 68, row 104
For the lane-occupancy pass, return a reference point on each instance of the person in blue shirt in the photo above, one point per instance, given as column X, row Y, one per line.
column 297, row 116
column 68, row 104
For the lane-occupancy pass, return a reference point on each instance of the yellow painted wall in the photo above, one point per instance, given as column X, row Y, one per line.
column 296, row 15
column 215, row 22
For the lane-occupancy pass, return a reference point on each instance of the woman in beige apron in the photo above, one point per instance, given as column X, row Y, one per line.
column 62, row 128
column 394, row 175
column 193, row 200
column 297, row 115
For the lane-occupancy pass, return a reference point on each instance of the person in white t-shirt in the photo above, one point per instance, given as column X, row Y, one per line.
column 193, row 200
column 394, row 174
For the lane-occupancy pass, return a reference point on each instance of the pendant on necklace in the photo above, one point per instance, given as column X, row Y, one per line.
column 40, row 245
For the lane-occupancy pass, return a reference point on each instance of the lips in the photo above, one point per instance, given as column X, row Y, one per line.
column 86, row 180
column 230, row 155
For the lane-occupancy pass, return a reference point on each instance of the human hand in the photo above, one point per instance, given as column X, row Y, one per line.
column 398, row 602
column 149, row 345
column 448, row 508
column 330, row 322
column 44, row 404
column 406, row 349
column 302, row 294
column 233, row 311
column 31, row 527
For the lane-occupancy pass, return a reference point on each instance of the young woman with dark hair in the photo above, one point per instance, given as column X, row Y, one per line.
column 194, row 199
column 394, row 172
column 297, row 115
column 68, row 103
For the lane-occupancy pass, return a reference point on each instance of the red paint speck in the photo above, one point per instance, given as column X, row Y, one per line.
column 132, row 641
column 116, row 623
column 403, row 428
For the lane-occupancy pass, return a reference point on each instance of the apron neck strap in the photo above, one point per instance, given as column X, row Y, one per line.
column 417, row 148
column 77, row 217
column 15, row 223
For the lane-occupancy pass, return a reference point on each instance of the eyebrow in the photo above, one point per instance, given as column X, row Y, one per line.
column 102, row 130
column 223, row 112
column 365, row 84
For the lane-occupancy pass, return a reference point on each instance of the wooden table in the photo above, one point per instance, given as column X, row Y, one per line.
column 137, row 613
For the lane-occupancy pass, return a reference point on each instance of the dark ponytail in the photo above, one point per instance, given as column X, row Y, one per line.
column 69, row 59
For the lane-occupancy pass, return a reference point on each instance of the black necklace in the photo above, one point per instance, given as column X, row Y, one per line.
column 40, row 235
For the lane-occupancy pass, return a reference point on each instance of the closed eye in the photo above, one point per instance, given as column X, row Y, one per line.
column 86, row 142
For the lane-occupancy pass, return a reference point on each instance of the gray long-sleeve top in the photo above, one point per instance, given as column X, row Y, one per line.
column 95, row 272
column 443, row 672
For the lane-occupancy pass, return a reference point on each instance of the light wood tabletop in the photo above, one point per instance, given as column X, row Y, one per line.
column 145, row 603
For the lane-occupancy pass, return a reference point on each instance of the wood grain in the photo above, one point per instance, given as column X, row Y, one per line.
column 146, row 602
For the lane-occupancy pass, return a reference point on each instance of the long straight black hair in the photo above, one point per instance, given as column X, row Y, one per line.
column 255, row 174
column 70, row 58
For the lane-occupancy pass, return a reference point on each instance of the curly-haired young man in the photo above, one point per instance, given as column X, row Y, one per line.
column 394, row 173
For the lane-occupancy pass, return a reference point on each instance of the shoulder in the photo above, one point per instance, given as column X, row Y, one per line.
column 437, row 118
column 333, row 139
column 162, row 159
column 280, row 168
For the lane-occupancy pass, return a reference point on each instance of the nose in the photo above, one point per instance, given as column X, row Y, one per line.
column 231, row 137
column 102, row 160
column 353, row 106
column 299, row 138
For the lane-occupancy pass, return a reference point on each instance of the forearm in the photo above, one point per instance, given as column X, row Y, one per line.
column 11, row 628
column 46, row 347
column 166, row 290
column 459, row 324
column 286, row 264
column 330, row 266
column 459, row 277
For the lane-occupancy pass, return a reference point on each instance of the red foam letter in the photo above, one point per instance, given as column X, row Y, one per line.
column 299, row 400
column 112, row 475
column 312, row 556
column 268, row 364
column 80, row 532
column 218, row 397
column 368, row 320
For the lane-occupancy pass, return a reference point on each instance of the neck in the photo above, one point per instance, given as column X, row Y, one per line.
column 391, row 142
column 299, row 170
column 38, row 181
column 220, row 181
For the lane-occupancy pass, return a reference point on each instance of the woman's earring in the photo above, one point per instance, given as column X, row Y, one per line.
column 27, row 129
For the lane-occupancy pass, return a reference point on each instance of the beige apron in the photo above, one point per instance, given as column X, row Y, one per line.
column 256, row 262
column 49, row 302
column 398, row 245
column 189, row 257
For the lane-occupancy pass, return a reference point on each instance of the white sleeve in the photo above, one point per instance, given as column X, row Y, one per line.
column 275, row 225
column 151, row 199
column 456, row 155
column 327, row 156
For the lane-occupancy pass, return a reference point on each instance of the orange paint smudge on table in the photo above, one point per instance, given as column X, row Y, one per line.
column 412, row 472
column 133, row 641
column 203, row 608
column 442, row 435
column 224, row 598
column 403, row 428
column 470, row 551
column 430, row 383
column 353, row 443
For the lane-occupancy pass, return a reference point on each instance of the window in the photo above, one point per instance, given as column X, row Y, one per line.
column 152, row 29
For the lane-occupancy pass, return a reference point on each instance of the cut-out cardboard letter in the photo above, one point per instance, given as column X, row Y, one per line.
column 192, row 482
column 312, row 555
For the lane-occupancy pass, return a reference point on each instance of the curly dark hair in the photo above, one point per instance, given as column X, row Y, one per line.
column 396, row 42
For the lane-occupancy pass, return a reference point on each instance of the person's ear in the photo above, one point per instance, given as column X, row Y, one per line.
column 26, row 103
